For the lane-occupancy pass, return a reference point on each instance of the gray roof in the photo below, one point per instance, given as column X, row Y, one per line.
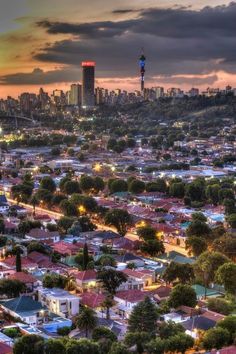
column 23, row 305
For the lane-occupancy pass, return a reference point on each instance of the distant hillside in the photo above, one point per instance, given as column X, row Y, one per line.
column 223, row 106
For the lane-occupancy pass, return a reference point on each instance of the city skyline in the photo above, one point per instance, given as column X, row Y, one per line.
column 186, row 45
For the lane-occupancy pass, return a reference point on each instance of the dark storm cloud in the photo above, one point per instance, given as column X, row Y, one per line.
column 177, row 41
column 172, row 22
column 39, row 77
column 124, row 11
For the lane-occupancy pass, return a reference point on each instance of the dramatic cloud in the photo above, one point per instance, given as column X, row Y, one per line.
column 39, row 77
column 172, row 22
column 184, row 45
column 176, row 41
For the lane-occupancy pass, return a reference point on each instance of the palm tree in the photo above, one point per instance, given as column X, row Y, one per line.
column 34, row 201
column 70, row 281
column 107, row 304
column 86, row 320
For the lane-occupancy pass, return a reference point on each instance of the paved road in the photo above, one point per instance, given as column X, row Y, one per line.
column 130, row 235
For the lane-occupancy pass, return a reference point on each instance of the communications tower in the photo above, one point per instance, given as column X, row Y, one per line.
column 142, row 61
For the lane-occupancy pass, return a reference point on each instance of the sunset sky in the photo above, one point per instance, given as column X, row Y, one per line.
column 187, row 43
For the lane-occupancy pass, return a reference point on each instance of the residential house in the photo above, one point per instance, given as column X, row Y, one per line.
column 42, row 235
column 137, row 279
column 162, row 293
column 86, row 279
column 59, row 301
column 127, row 299
column 29, row 280
column 130, row 258
column 92, row 300
column 26, row 263
column 26, row 309
column 67, row 249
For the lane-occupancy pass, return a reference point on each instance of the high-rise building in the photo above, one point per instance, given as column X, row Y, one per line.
column 159, row 91
column 74, row 98
column 88, row 79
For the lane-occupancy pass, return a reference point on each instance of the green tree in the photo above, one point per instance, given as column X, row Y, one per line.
column 156, row 346
column 71, row 187
column 54, row 346
column 182, row 294
column 226, row 275
column 68, row 208
column 195, row 245
column 53, row 280
column 216, row 338
column 98, row 184
column 65, row 222
column 231, row 219
column 107, row 304
column 86, row 258
column 179, row 343
column 229, row 205
column 146, row 233
column 212, row 193
column 36, row 246
column 207, row 265
column 34, row 201
column 220, row 305
column 117, row 185
column 178, row 272
column 29, row 344
column 143, row 318
column 64, row 331
column 118, row 348
column 86, row 320
column 136, row 186
column 111, row 279
column 153, row 247
column 86, row 184
column 11, row 287
column 106, row 260
column 18, row 259
column 198, row 228
column 229, row 324
column 48, row 184
column 226, row 245
column 83, row 346
column 102, row 332
column 169, row 329
column 137, row 340
column 119, row 218
column 177, row 190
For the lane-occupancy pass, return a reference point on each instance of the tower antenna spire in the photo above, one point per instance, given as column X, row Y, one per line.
column 142, row 61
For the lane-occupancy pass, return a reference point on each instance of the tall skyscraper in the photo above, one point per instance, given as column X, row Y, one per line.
column 75, row 95
column 142, row 60
column 88, row 79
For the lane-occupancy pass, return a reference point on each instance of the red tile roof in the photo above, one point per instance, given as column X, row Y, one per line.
column 227, row 350
column 137, row 274
column 5, row 349
column 23, row 277
column 215, row 316
column 85, row 275
column 162, row 292
column 25, row 262
column 67, row 248
column 42, row 234
column 91, row 299
column 131, row 295
column 37, row 256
